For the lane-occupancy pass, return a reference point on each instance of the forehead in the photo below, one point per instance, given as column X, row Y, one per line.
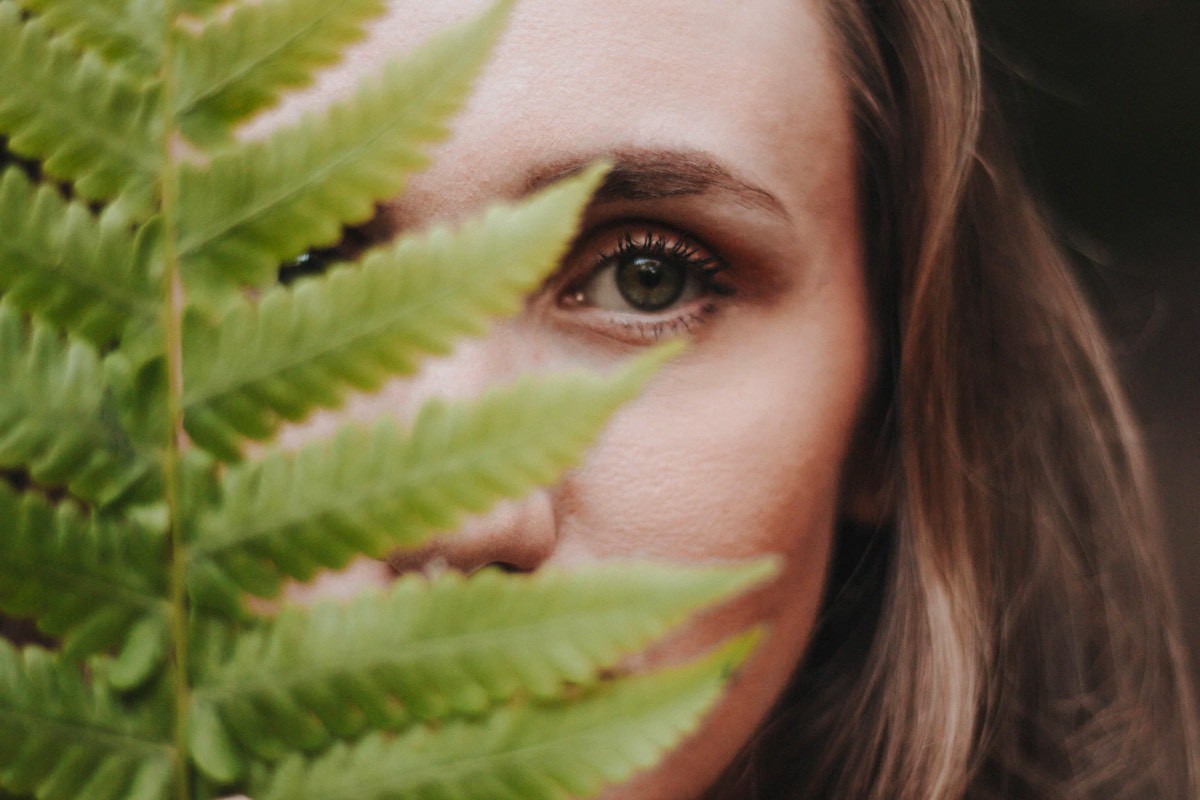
column 751, row 81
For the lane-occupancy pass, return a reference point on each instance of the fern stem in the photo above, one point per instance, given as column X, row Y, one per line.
column 172, row 323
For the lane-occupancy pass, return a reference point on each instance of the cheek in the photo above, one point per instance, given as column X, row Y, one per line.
column 732, row 453
column 735, row 451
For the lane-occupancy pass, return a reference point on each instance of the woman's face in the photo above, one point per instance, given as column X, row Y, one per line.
column 732, row 218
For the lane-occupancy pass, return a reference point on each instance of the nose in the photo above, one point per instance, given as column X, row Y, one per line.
column 517, row 534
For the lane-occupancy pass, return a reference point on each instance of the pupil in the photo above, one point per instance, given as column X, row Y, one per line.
column 650, row 274
column 649, row 284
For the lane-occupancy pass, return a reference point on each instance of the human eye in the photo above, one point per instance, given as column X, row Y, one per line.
column 641, row 281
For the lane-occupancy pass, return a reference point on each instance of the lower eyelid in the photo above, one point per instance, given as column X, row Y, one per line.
column 681, row 325
column 641, row 329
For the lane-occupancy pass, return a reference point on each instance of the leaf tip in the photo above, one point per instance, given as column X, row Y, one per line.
column 755, row 573
column 733, row 654
column 215, row 753
column 639, row 370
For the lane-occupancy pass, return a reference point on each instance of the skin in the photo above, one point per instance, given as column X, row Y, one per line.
column 739, row 447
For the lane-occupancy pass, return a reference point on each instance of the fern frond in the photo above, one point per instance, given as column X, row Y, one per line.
column 370, row 491
column 61, row 263
column 83, row 120
column 125, row 32
column 56, row 421
column 453, row 645
column 239, row 65
column 266, row 202
column 86, row 580
column 537, row 751
column 66, row 738
column 302, row 347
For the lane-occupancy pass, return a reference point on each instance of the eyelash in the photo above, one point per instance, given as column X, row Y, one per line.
column 630, row 240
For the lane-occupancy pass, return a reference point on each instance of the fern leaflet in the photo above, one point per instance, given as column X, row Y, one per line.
column 68, row 267
column 86, row 580
column 63, row 737
column 125, row 32
column 239, row 65
column 56, row 421
column 302, row 347
column 86, row 123
column 537, row 751
column 450, row 646
column 266, row 202
column 198, row 7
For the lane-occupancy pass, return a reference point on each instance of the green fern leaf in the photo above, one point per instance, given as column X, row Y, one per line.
column 370, row 491
column 85, row 122
column 266, row 202
column 56, row 421
column 63, row 264
column 64, row 737
column 238, row 65
column 136, row 548
column 451, row 646
column 528, row 752
column 302, row 347
column 125, row 32
column 88, row 581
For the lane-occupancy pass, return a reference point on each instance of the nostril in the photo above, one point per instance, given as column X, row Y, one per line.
column 514, row 537
column 504, row 566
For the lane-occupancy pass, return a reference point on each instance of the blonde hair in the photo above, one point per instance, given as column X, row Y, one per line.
column 1008, row 632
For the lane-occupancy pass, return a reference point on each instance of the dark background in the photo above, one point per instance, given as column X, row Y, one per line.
column 1103, row 99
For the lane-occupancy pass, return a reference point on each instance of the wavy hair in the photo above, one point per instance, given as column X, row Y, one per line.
column 1007, row 631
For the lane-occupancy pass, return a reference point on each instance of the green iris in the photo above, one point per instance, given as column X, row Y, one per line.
column 650, row 284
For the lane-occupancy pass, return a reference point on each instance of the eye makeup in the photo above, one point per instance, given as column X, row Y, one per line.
column 639, row 281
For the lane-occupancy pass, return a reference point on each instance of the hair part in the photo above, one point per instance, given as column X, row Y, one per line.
column 1008, row 632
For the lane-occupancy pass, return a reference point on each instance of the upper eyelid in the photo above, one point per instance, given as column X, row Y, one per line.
column 682, row 246
column 581, row 246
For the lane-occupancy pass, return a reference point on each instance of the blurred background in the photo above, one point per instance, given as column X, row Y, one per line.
column 1103, row 100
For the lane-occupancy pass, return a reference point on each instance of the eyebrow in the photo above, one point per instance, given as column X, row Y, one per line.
column 640, row 174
